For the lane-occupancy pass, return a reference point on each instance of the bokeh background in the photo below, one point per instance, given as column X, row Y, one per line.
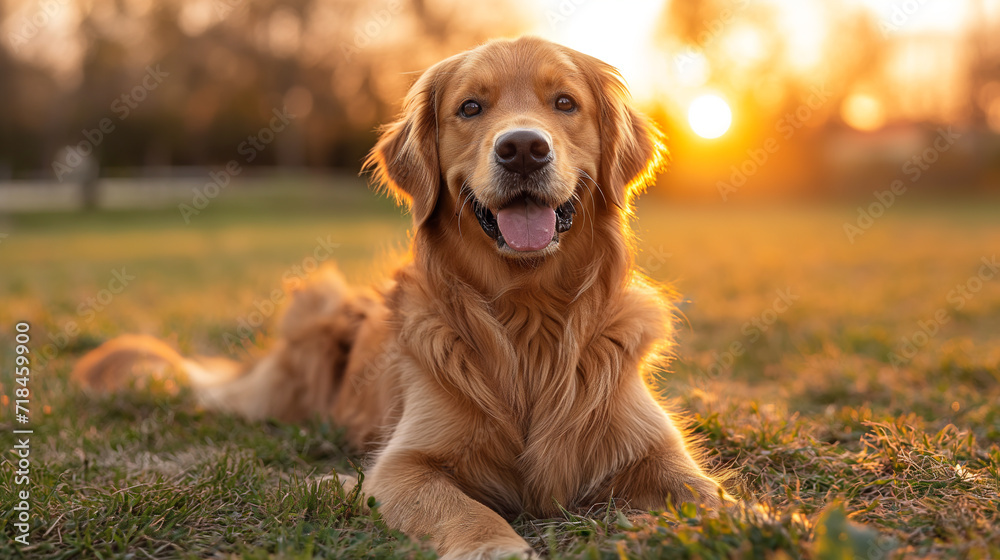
column 830, row 222
column 847, row 90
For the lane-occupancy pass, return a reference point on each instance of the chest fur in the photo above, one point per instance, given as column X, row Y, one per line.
column 544, row 384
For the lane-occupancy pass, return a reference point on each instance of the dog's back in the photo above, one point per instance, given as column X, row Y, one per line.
column 324, row 364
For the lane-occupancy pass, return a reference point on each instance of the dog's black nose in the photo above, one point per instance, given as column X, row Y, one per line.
column 523, row 151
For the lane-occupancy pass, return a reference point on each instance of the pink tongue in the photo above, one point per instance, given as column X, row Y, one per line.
column 527, row 226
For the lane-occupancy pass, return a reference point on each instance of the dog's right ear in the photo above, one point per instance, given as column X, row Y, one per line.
column 405, row 159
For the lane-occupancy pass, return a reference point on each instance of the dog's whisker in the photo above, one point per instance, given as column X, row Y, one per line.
column 592, row 180
column 461, row 209
column 593, row 200
column 586, row 175
column 583, row 208
column 462, row 190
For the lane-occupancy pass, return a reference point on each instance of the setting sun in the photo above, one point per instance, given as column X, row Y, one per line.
column 709, row 116
column 863, row 112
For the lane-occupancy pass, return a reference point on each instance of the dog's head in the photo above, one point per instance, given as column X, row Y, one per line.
column 518, row 136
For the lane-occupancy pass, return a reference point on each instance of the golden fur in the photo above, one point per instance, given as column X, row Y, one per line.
column 485, row 383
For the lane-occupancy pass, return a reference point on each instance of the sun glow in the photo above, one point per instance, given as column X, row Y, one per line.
column 584, row 26
column 709, row 116
column 863, row 112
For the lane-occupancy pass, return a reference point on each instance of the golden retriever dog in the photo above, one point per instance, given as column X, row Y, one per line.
column 504, row 368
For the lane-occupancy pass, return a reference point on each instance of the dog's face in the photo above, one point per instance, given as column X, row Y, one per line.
column 517, row 137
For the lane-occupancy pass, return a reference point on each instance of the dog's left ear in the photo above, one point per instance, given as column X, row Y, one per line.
column 632, row 147
column 405, row 159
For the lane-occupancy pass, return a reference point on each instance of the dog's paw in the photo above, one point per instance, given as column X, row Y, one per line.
column 717, row 499
column 346, row 481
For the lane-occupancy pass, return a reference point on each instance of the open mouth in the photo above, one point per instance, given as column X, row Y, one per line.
column 525, row 224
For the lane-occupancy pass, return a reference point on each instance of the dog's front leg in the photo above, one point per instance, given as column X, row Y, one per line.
column 661, row 468
column 420, row 499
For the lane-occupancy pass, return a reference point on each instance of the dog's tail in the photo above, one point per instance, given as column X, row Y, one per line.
column 142, row 359
column 112, row 365
column 296, row 379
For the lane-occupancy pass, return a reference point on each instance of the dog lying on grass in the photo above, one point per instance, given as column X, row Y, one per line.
column 502, row 371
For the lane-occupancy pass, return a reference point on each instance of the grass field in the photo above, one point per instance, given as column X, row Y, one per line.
column 833, row 379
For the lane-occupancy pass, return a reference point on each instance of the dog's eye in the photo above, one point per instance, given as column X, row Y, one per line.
column 470, row 109
column 565, row 103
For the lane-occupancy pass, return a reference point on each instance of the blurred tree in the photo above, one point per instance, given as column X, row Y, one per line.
column 984, row 70
column 786, row 70
column 799, row 72
column 768, row 60
column 199, row 82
